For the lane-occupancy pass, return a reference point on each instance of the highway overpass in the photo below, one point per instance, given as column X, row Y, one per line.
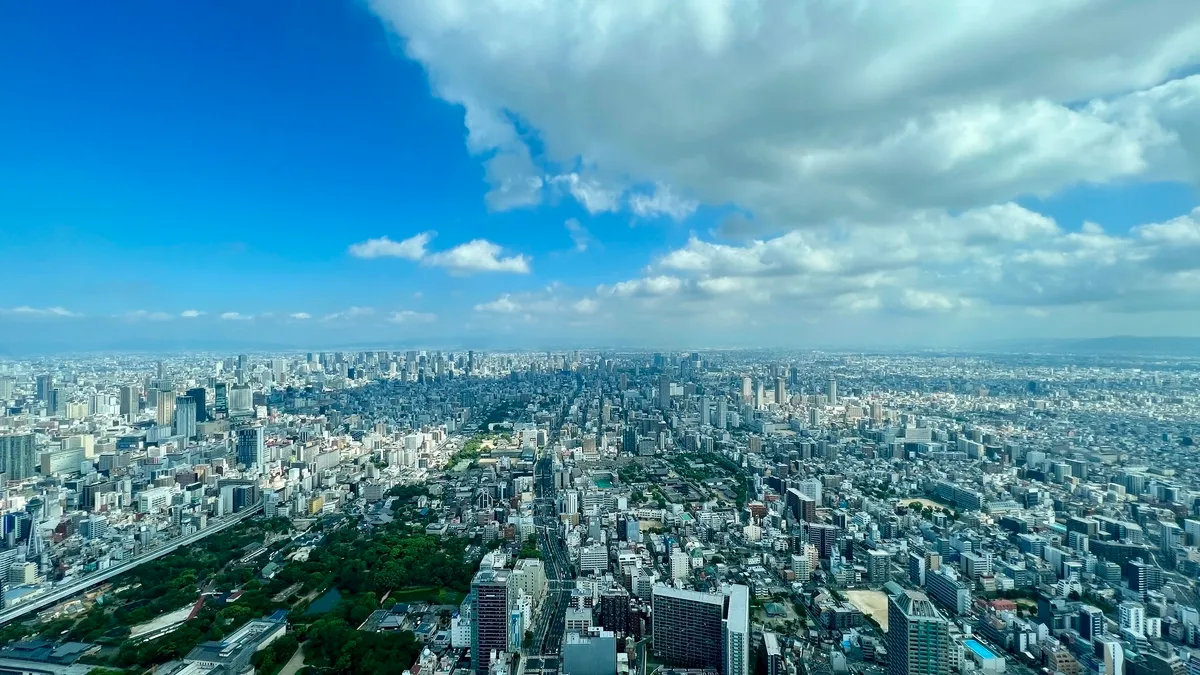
column 60, row 593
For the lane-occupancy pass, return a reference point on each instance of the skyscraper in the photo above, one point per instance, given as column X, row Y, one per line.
column 780, row 391
column 664, row 392
column 166, row 408
column 918, row 637
column 184, row 422
column 129, row 402
column 221, row 399
column 722, row 412
column 250, row 446
column 18, row 456
column 703, row 630
column 833, row 396
column 489, row 605
column 199, row 395
column 44, row 384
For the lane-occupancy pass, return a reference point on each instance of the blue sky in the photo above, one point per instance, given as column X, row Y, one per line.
column 223, row 159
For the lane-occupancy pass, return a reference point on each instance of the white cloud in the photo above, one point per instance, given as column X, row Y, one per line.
column 412, row 248
column 191, row 313
column 351, row 313
column 579, row 235
column 661, row 202
column 144, row 315
column 300, row 316
column 478, row 255
column 802, row 112
column 410, row 316
column 25, row 310
column 591, row 194
column 235, row 316
column 501, row 305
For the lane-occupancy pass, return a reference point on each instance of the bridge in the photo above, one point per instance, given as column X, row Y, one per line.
column 78, row 586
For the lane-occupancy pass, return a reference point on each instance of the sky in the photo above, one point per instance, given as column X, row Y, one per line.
column 592, row 173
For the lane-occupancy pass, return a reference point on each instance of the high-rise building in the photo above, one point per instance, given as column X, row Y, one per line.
column 250, row 446
column 703, row 630
column 775, row 665
column 489, row 606
column 879, row 566
column 1091, row 622
column 722, row 413
column 664, row 391
column 1131, row 616
column 918, row 637
column 56, row 402
column 129, row 402
column 780, row 391
column 18, row 456
column 166, row 409
column 590, row 653
column 7, row 384
column 746, row 392
column 199, row 395
column 833, row 395
column 241, row 400
column 221, row 398
column 184, row 423
column 43, row 386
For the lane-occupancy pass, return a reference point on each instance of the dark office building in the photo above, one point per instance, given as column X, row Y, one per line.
column 616, row 612
column 489, row 604
column 221, row 400
column 199, row 395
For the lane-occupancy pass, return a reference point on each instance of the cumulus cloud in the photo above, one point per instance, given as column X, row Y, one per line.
column 591, row 194
column 25, row 310
column 803, row 112
column 411, row 316
column 235, row 316
column 300, row 316
column 191, row 313
column 478, row 255
column 412, row 248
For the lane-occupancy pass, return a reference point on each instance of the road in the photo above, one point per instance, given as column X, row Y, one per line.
column 548, row 629
column 78, row 586
column 295, row 663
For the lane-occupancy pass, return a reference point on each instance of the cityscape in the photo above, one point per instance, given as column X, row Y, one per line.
column 601, row 513
column 600, row 337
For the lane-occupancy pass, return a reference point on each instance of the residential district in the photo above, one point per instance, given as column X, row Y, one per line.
column 600, row 513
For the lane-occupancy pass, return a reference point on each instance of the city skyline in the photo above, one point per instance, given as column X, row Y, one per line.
column 601, row 174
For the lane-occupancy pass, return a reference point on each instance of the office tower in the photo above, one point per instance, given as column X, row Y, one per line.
column 735, row 632
column 703, row 630
column 184, row 422
column 780, row 391
column 746, row 391
column 56, row 402
column 722, row 412
column 162, row 370
column 705, row 410
column 166, row 408
column 664, row 392
column 129, row 402
column 7, row 383
column 251, row 446
column 616, row 611
column 759, row 398
column 918, row 637
column 241, row 400
column 877, row 412
column 243, row 366
column 1110, row 654
column 1091, row 622
column 833, row 396
column 18, row 456
column 629, row 441
column 489, row 606
column 590, row 653
column 775, row 664
column 221, row 399
column 199, row 395
column 44, row 384
column 811, row 487
column 916, row 569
